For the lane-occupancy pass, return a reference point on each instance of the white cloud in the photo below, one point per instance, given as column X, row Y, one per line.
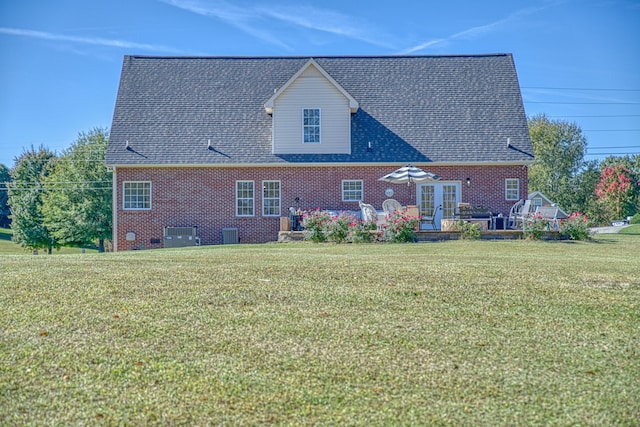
column 85, row 40
column 253, row 20
column 472, row 32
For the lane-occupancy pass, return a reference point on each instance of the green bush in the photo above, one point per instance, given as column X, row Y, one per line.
column 337, row 230
column 576, row 227
column 635, row 219
column 315, row 223
column 401, row 228
column 467, row 230
column 535, row 226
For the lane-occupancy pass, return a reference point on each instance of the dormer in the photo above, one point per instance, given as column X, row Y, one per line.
column 311, row 114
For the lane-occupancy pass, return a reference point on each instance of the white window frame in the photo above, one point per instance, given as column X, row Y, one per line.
column 346, row 191
column 129, row 204
column 266, row 198
column 244, row 197
column 305, row 126
column 536, row 202
column 508, row 188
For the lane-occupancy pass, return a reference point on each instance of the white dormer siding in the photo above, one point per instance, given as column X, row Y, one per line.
column 311, row 89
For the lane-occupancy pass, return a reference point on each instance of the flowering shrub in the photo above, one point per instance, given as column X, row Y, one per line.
column 576, row 227
column 361, row 231
column 535, row 225
column 468, row 230
column 337, row 230
column 401, row 227
column 320, row 226
column 315, row 223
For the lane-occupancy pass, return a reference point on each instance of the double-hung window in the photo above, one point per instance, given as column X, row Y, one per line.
column 271, row 198
column 311, row 125
column 136, row 195
column 245, row 200
column 352, row 190
column 512, row 189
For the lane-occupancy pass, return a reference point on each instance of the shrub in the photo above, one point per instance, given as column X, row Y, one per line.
column 535, row 226
column 635, row 219
column 315, row 223
column 401, row 228
column 467, row 230
column 337, row 230
column 576, row 227
column 361, row 231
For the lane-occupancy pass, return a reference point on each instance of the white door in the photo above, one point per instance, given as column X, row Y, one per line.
column 444, row 195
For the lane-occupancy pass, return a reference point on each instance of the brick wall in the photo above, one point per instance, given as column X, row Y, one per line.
column 205, row 197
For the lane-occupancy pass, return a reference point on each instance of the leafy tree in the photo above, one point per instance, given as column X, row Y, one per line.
column 25, row 199
column 5, row 177
column 559, row 148
column 78, row 203
column 618, row 188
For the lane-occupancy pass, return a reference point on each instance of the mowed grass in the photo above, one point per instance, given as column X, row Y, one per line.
column 7, row 246
column 450, row 333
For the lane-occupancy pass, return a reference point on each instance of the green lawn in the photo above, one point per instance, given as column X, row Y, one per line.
column 9, row 247
column 450, row 333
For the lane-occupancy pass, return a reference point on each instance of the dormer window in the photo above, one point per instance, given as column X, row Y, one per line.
column 311, row 125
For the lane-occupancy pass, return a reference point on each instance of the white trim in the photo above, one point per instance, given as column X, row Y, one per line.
column 114, row 209
column 506, row 189
column 272, row 198
column 361, row 190
column 124, row 193
column 253, row 199
column 310, row 164
column 353, row 104
column 319, row 124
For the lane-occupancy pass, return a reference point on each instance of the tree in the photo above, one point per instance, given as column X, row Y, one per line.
column 25, row 199
column 559, row 148
column 78, row 202
column 618, row 188
column 5, row 177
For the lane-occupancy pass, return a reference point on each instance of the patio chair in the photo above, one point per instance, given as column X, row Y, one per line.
column 429, row 218
column 549, row 213
column 389, row 206
column 519, row 213
column 369, row 213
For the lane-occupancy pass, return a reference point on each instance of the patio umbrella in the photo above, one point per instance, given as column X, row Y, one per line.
column 409, row 174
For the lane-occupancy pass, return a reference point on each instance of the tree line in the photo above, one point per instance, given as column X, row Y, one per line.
column 52, row 201
column 63, row 200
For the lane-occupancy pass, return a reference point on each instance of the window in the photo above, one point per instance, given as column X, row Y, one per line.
column 271, row 198
column 536, row 203
column 244, row 198
column 512, row 188
column 311, row 125
column 136, row 195
column 352, row 190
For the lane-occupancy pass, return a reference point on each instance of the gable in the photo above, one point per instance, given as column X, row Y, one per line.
column 311, row 91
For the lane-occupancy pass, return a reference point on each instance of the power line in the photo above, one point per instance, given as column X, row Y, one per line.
column 611, row 130
column 603, row 115
column 614, row 147
column 582, row 103
column 580, row 88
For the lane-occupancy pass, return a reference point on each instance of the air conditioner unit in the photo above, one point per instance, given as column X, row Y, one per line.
column 230, row 236
column 178, row 237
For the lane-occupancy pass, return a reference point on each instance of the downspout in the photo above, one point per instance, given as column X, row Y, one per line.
column 114, row 208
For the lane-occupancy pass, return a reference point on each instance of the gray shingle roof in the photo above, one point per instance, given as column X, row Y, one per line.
column 442, row 109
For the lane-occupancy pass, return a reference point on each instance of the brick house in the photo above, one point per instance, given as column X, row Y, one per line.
column 230, row 142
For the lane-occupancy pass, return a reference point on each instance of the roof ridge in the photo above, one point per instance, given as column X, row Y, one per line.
column 298, row 57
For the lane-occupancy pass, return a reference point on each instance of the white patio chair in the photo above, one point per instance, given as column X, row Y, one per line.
column 390, row 206
column 369, row 213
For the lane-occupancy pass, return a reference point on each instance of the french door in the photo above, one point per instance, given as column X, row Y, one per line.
column 444, row 195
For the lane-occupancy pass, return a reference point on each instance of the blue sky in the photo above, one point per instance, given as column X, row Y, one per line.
column 577, row 60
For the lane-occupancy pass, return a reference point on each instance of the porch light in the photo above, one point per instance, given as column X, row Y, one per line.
column 468, row 182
